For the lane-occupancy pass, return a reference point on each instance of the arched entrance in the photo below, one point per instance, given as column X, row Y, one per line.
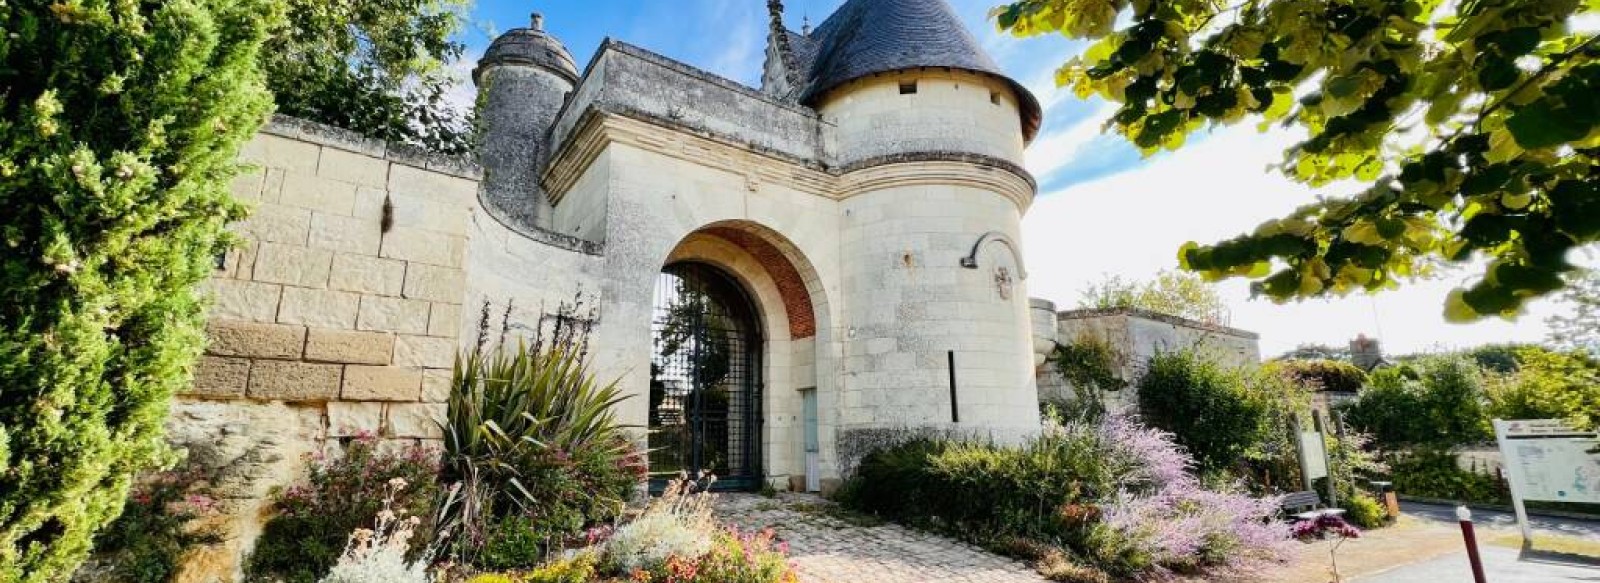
column 705, row 377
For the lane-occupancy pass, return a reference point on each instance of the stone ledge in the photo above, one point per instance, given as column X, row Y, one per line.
column 1086, row 313
column 460, row 166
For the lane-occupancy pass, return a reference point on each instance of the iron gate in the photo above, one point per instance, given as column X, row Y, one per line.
column 705, row 379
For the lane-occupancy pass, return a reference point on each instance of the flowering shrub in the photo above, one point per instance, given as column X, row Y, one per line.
column 378, row 554
column 676, row 524
column 746, row 557
column 1088, row 500
column 164, row 517
column 341, row 494
column 1324, row 525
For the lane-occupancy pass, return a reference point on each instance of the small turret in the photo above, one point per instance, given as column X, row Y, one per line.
column 523, row 80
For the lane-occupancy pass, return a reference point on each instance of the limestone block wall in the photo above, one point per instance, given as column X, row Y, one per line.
column 340, row 312
column 1136, row 335
column 950, row 111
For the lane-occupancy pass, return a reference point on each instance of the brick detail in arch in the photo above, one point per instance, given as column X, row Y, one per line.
column 791, row 286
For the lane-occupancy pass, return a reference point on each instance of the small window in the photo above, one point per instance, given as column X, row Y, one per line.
column 994, row 97
column 908, row 87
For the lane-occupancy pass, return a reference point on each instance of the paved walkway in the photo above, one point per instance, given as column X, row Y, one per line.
column 831, row 546
column 1589, row 529
column 1500, row 565
column 828, row 546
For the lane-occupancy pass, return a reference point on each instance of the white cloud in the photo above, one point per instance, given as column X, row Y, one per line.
column 1131, row 224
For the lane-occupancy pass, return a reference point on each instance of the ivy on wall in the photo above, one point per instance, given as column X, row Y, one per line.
column 119, row 127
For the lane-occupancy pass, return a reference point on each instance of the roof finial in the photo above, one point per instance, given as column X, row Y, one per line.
column 805, row 25
column 538, row 22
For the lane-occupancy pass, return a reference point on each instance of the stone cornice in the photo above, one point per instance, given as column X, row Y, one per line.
column 599, row 127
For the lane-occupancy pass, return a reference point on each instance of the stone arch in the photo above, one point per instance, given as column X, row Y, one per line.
column 798, row 288
column 792, row 310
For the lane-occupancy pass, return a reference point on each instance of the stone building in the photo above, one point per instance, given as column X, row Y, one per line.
column 1133, row 336
column 775, row 274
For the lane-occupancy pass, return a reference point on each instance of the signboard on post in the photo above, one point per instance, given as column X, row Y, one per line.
column 1547, row 460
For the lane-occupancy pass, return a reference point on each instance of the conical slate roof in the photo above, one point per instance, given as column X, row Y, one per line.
column 530, row 46
column 867, row 37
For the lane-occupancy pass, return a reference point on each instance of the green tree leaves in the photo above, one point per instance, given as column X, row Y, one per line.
column 1475, row 126
column 119, row 124
column 373, row 66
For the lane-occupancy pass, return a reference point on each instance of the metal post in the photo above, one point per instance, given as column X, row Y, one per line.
column 1465, row 517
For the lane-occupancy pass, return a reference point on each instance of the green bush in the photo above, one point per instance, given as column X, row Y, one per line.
column 163, row 519
column 1103, row 495
column 1365, row 512
column 1089, row 365
column 119, row 125
column 1436, row 474
column 530, row 433
column 1548, row 385
column 1322, row 375
column 314, row 519
column 1206, row 406
column 1436, row 401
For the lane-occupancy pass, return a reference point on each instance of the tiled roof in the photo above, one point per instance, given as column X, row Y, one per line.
column 866, row 37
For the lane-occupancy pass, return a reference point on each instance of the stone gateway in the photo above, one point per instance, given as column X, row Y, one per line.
column 780, row 277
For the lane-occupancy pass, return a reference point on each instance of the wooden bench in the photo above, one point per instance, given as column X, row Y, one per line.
column 1307, row 506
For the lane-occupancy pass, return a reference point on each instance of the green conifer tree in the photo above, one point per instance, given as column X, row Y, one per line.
column 119, row 125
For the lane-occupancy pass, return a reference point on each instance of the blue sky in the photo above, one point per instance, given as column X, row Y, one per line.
column 1101, row 210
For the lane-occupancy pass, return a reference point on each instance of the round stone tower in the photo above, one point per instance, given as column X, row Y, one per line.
column 523, row 79
column 929, row 134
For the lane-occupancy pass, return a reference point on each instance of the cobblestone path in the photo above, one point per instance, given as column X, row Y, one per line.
column 828, row 547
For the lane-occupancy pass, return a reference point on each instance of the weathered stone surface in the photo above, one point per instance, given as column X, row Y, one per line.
column 275, row 223
column 345, row 234
column 252, row 448
column 242, row 300
column 444, row 320
column 418, row 420
column 247, row 184
column 433, row 283
column 371, row 275
column 382, row 383
column 436, row 385
column 352, row 419
column 409, row 179
column 292, row 265
column 279, row 152
column 349, row 346
column 319, row 308
column 354, row 168
column 216, row 376
column 276, row 380
column 425, row 351
column 236, row 338
column 393, row 315
column 308, row 191
column 423, row 246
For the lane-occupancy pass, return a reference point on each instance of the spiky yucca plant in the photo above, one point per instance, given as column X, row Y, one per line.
column 531, row 433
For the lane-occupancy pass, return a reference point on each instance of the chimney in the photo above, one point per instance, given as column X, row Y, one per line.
column 1365, row 352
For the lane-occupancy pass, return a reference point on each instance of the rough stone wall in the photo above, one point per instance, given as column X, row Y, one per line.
column 1136, row 335
column 628, row 79
column 950, row 111
column 324, row 323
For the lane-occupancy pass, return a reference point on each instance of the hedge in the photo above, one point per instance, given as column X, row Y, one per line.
column 119, row 126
